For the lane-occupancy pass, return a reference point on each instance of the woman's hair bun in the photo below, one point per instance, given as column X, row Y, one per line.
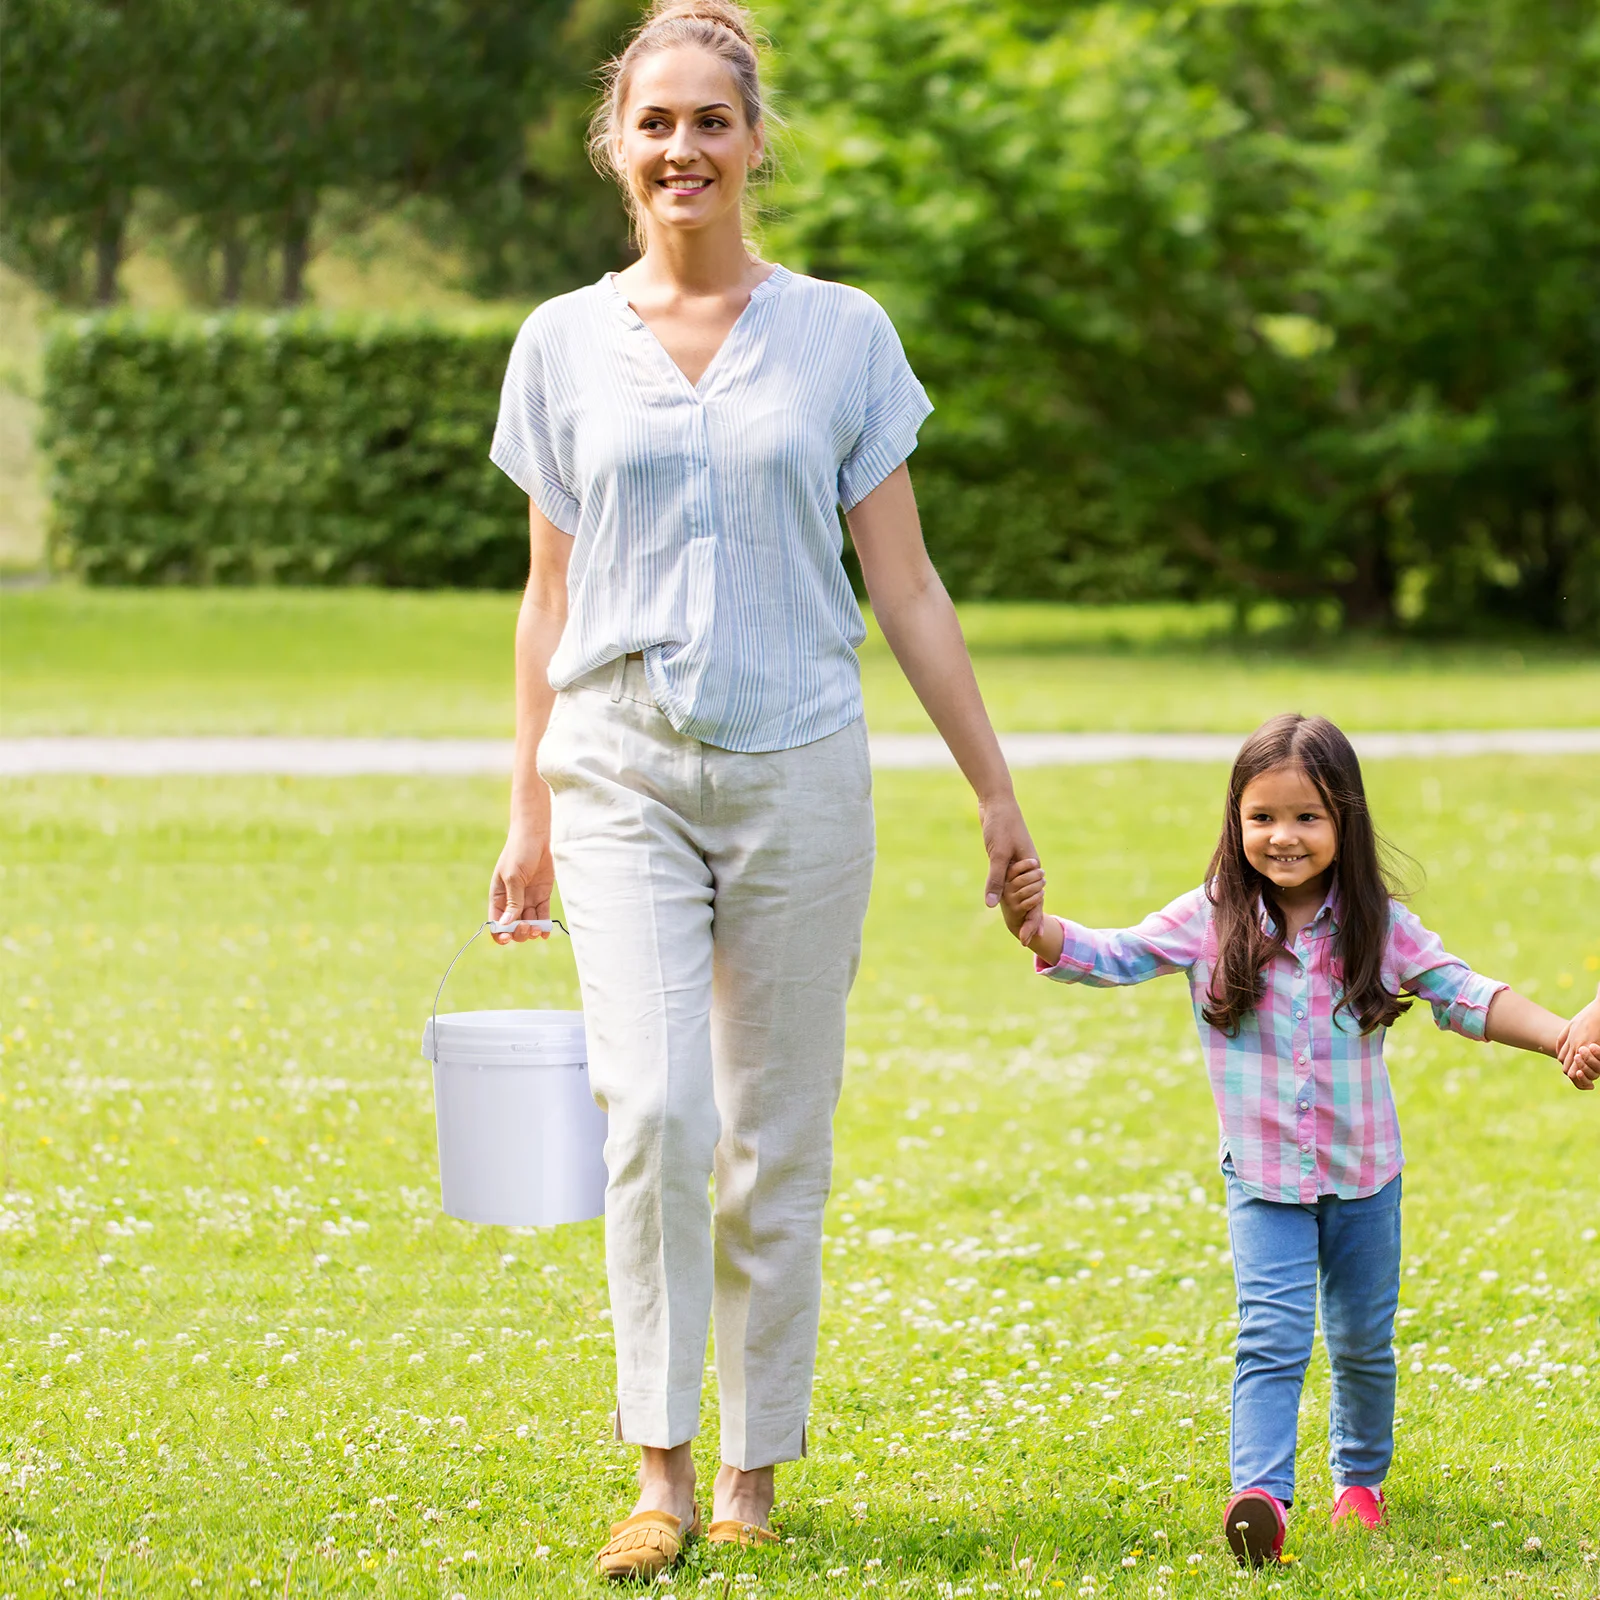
column 719, row 13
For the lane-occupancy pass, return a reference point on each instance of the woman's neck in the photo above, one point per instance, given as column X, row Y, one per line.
column 703, row 262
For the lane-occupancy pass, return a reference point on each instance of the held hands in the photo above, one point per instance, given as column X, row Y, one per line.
column 1009, row 845
column 1022, row 904
column 1578, row 1049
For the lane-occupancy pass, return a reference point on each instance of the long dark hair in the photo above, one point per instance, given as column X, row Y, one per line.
column 1362, row 885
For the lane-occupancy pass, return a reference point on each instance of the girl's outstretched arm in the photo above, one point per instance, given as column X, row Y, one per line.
column 1525, row 1025
column 1169, row 940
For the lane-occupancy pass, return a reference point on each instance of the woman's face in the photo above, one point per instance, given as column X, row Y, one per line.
column 685, row 145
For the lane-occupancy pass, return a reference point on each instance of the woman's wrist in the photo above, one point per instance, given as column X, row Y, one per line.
column 531, row 810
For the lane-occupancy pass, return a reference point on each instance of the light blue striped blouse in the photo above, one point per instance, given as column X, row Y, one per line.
column 705, row 515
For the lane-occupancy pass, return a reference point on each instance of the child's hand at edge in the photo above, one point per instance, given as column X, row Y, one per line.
column 1584, row 1066
column 1581, row 1030
column 1020, row 899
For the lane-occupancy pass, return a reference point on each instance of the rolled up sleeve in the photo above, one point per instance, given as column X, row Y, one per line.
column 1422, row 966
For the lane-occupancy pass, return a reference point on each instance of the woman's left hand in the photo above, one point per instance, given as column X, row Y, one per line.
column 1006, row 839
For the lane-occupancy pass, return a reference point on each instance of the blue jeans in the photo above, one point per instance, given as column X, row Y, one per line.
column 1278, row 1250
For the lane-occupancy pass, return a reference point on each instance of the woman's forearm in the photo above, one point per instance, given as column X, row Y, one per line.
column 538, row 634
column 918, row 621
column 1523, row 1024
column 921, row 628
column 540, row 623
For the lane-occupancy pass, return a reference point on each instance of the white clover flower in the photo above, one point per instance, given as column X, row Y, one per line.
column 1533, row 1542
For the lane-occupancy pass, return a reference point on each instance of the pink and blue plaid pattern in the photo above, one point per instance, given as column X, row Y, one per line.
column 1303, row 1099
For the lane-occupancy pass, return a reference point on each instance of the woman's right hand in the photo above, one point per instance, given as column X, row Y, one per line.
column 523, row 878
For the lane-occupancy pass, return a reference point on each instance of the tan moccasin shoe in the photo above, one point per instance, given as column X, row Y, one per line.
column 726, row 1530
column 645, row 1544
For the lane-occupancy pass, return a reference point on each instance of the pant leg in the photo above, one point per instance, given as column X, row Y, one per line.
column 1275, row 1269
column 636, row 893
column 1360, row 1249
column 791, row 850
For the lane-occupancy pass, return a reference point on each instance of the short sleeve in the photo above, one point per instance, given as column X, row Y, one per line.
column 896, row 406
column 522, row 447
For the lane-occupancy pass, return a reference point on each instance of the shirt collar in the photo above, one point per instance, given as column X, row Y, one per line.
column 1323, row 925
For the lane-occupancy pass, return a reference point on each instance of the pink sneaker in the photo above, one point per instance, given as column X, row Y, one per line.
column 1365, row 1505
column 1255, row 1523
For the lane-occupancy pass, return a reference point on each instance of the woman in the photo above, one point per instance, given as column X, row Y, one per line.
column 691, row 755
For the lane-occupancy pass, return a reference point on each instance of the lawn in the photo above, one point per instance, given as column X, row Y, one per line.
column 245, row 1352
column 363, row 662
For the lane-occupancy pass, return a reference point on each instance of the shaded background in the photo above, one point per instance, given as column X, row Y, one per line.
column 1260, row 299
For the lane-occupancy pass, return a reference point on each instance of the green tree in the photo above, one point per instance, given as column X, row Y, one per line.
column 83, row 125
column 1249, row 296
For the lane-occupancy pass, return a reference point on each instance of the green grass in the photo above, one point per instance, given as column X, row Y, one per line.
column 244, row 1352
column 363, row 662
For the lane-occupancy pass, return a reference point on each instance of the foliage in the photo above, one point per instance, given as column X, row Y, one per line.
column 300, row 449
column 336, row 662
column 245, row 1347
column 1251, row 296
column 242, row 114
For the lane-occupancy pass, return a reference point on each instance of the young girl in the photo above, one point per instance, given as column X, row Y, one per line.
column 1297, row 954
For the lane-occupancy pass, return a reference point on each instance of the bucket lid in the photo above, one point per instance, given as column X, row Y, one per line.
column 509, row 1037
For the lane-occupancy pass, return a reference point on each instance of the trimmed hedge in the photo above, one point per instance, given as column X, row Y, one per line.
column 307, row 449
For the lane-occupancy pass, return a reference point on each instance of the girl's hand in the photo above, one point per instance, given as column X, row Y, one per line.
column 1584, row 1067
column 1007, row 842
column 1022, row 898
column 1022, row 905
column 523, row 878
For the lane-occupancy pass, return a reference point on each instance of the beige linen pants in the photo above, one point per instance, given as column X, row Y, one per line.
column 716, row 902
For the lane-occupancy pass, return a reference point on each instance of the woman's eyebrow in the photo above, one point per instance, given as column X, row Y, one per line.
column 666, row 111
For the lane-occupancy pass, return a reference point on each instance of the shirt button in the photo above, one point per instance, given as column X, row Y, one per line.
column 1299, row 1015
column 1305, row 1149
column 1302, row 1058
column 1305, row 1105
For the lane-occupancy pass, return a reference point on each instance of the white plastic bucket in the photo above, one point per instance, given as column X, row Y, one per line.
column 521, row 1141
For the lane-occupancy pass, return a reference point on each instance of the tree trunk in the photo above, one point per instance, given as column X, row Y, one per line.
column 297, row 249
column 109, row 226
column 1369, row 596
column 233, row 259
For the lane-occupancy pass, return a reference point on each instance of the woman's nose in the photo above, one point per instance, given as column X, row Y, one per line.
column 682, row 149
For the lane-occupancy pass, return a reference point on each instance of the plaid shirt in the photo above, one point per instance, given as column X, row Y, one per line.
column 1302, row 1097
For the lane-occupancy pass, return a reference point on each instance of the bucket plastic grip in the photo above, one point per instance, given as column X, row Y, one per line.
column 548, row 927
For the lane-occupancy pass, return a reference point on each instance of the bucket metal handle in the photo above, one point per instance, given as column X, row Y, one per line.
column 500, row 927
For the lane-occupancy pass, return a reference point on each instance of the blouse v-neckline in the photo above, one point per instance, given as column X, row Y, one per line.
column 768, row 286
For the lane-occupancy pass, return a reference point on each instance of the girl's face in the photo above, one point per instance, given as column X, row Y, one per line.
column 685, row 145
column 1290, row 837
